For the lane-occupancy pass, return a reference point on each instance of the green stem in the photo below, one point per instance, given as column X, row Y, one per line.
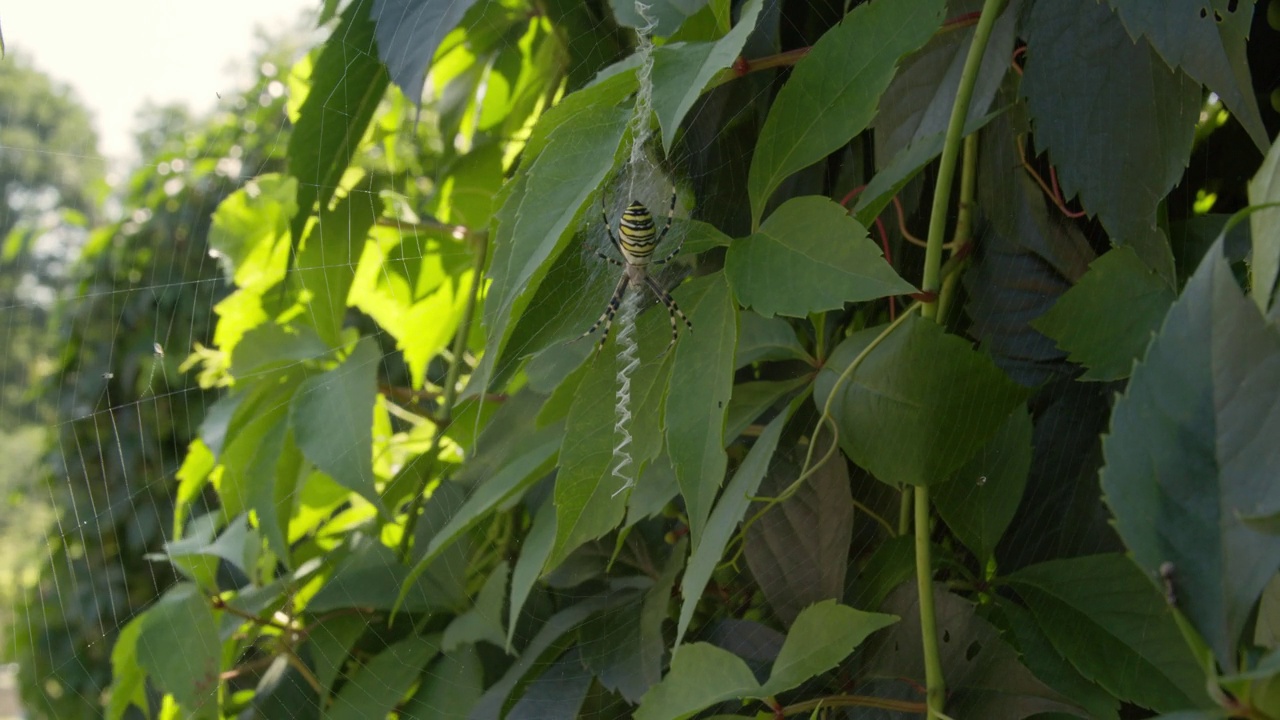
column 450, row 397
column 935, row 685
column 904, row 511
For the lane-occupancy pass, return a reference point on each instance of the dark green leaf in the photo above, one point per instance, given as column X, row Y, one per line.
column 450, row 687
column 1077, row 47
column 984, row 677
column 484, row 620
column 807, row 257
column 624, row 646
column 557, row 626
column 1039, row 655
column 1085, row 323
column 332, row 420
column 1112, row 625
column 979, row 503
column 761, row 339
column 533, row 557
column 668, row 15
column 700, row 389
column 1207, row 40
column 681, row 72
column 918, row 103
column 900, row 414
column 408, row 33
column 1192, row 450
column 283, row 692
column 128, row 679
column 833, row 92
column 798, row 551
column 556, row 694
column 329, row 643
column 752, row 399
column 382, row 684
column 347, row 83
column 371, row 576
column 725, row 517
column 179, row 649
column 1265, row 226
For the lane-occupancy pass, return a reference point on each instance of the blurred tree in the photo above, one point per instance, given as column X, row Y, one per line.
column 142, row 298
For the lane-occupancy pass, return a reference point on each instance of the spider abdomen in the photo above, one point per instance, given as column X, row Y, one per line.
column 637, row 233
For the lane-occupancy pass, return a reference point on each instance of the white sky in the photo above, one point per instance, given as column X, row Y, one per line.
column 117, row 54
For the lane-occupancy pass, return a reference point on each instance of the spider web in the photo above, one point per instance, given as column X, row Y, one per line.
column 123, row 415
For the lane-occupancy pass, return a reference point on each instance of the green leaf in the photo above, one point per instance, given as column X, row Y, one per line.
column 372, row 576
column 557, row 693
column 128, row 679
column 380, row 686
column 332, row 420
column 919, row 406
column 282, row 691
column 761, row 339
column 822, row 635
column 587, row 497
column 248, row 231
column 484, row 620
column 544, row 642
column 1207, row 40
column 798, row 550
column 327, row 262
column 533, row 557
column 347, row 83
column 700, row 389
column 681, row 72
column 1112, row 625
column 807, row 257
column 179, row 649
column 982, row 499
column 1084, row 321
column 1265, row 230
column 1191, row 452
column 538, row 220
column 408, row 33
column 701, row 675
column 1079, row 47
column 832, row 93
column 725, row 517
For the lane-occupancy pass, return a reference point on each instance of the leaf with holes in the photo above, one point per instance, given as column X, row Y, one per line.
column 1074, row 48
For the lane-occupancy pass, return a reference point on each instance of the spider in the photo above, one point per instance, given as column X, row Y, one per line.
column 636, row 244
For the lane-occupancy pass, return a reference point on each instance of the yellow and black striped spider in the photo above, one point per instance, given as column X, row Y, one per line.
column 636, row 242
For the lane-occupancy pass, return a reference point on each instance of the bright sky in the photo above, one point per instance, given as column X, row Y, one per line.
column 118, row 54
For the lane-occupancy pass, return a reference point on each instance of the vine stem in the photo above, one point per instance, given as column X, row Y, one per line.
column 935, row 684
column 445, row 417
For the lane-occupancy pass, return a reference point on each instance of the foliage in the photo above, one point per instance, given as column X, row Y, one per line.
column 407, row 475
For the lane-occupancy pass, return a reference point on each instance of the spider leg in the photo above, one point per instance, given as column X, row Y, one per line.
column 608, row 229
column 610, row 260
column 607, row 316
column 672, row 309
column 670, row 213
